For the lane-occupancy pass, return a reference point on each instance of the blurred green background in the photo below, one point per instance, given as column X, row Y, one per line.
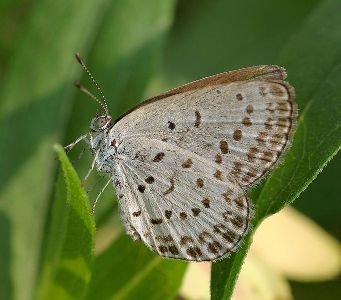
column 135, row 49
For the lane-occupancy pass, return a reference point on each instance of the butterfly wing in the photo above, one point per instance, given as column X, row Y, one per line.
column 227, row 130
column 242, row 125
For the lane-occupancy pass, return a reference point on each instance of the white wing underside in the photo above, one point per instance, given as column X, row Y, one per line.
column 187, row 160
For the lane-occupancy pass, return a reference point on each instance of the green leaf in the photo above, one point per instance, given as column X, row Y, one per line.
column 134, row 272
column 67, row 265
column 317, row 78
column 36, row 96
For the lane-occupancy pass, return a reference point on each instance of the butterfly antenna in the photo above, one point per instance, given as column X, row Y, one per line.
column 79, row 86
column 102, row 103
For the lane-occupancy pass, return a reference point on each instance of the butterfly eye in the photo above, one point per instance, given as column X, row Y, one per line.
column 99, row 123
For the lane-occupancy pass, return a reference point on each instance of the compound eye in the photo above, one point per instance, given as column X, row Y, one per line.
column 101, row 122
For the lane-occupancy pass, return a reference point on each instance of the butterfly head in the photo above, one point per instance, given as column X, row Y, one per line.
column 100, row 123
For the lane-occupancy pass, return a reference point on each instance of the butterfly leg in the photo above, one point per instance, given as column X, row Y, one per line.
column 79, row 156
column 92, row 167
column 98, row 181
column 81, row 138
column 99, row 195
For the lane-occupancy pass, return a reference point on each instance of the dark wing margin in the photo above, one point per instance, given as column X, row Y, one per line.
column 263, row 72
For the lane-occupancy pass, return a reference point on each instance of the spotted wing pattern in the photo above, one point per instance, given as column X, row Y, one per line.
column 187, row 157
column 180, row 204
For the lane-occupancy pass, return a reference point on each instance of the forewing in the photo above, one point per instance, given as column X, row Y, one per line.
column 180, row 204
column 242, row 126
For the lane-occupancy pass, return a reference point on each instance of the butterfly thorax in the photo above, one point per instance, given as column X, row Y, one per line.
column 103, row 146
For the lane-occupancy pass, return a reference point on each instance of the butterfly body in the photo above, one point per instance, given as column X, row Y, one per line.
column 182, row 162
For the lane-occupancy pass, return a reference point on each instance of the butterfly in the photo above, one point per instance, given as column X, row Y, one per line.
column 182, row 162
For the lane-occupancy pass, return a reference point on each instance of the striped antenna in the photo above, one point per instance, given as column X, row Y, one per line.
column 102, row 103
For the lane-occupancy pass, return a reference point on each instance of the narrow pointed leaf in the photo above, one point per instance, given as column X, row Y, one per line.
column 69, row 247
